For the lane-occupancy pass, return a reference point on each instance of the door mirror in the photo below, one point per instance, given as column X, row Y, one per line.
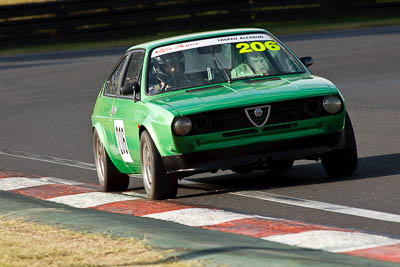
column 308, row 61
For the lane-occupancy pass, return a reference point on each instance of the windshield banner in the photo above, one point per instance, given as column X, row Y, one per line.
column 207, row 42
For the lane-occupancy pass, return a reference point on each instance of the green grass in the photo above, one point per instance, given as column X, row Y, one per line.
column 32, row 244
column 281, row 28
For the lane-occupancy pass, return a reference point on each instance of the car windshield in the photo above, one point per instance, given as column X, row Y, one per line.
column 215, row 60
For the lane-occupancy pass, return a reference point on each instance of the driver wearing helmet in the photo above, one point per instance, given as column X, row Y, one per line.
column 167, row 72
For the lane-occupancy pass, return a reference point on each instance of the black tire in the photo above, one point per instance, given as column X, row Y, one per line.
column 109, row 177
column 157, row 183
column 281, row 165
column 343, row 162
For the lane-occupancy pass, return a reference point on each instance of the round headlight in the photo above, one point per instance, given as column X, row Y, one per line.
column 332, row 104
column 182, row 126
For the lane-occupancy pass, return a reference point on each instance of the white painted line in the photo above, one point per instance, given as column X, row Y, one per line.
column 91, row 199
column 198, row 216
column 371, row 214
column 333, row 241
column 49, row 159
column 14, row 183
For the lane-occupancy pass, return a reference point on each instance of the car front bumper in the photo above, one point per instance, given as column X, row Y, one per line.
column 257, row 154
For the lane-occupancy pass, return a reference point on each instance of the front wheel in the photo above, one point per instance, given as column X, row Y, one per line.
column 342, row 162
column 157, row 183
column 109, row 177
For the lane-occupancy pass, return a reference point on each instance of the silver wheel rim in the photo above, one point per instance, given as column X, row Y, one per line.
column 147, row 159
column 99, row 159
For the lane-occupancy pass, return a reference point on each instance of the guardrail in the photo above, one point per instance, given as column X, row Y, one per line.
column 104, row 19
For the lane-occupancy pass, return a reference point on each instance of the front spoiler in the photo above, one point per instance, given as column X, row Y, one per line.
column 254, row 154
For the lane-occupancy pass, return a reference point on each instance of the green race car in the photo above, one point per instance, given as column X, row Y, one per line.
column 234, row 99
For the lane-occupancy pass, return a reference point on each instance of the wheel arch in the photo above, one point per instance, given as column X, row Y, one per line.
column 102, row 135
column 161, row 148
column 152, row 134
column 119, row 165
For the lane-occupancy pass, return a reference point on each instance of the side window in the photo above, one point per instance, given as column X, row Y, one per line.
column 113, row 82
column 134, row 68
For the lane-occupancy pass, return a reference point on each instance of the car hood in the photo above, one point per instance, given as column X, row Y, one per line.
column 246, row 93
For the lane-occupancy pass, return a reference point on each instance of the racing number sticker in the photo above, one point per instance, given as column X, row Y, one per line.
column 257, row 46
column 121, row 140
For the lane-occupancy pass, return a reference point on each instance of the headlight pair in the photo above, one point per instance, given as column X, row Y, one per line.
column 183, row 125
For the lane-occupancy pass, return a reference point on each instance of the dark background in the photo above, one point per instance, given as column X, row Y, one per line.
column 103, row 19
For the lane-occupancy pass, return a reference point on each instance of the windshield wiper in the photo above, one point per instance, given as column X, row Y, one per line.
column 215, row 61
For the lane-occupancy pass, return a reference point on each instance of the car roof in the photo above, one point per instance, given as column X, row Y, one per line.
column 194, row 36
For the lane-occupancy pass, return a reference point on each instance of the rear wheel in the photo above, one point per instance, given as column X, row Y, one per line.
column 157, row 183
column 342, row 162
column 109, row 177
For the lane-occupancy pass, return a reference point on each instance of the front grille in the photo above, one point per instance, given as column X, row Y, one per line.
column 235, row 118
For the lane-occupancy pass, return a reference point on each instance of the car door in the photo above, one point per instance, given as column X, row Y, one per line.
column 125, row 121
column 108, row 104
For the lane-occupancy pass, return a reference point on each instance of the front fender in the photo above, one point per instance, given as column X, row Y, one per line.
column 161, row 135
column 156, row 119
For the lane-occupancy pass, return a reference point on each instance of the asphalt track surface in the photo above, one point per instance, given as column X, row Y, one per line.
column 46, row 101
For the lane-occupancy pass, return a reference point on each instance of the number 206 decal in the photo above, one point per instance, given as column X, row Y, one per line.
column 257, row 46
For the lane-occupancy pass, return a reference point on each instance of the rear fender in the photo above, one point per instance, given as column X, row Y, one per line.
column 103, row 138
column 102, row 135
